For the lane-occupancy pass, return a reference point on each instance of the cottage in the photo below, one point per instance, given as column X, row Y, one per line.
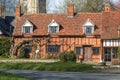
column 92, row 36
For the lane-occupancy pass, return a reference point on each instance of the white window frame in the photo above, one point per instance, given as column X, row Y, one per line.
column 27, row 24
column 80, row 50
column 31, row 29
column 53, row 24
column 88, row 24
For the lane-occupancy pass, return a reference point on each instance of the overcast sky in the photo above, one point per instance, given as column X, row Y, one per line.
column 51, row 7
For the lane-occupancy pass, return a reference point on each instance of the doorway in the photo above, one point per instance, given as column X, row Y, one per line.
column 28, row 50
column 110, row 53
column 87, row 53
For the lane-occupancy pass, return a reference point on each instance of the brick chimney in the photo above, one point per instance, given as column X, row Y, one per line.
column 107, row 8
column 70, row 10
column 1, row 11
column 18, row 11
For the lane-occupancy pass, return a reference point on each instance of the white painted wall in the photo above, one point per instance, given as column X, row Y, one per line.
column 111, row 43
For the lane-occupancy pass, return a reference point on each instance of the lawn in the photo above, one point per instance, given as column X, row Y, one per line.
column 8, row 76
column 58, row 66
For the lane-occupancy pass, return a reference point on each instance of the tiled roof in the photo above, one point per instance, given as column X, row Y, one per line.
column 106, row 24
column 110, row 24
column 4, row 27
column 68, row 26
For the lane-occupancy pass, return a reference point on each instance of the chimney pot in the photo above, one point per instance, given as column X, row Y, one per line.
column 107, row 8
column 70, row 9
column 18, row 11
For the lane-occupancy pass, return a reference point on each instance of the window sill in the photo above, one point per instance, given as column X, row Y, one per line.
column 27, row 35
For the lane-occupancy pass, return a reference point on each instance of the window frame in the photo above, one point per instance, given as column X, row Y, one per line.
column 55, row 29
column 88, row 29
column 96, row 50
column 52, row 48
column 79, row 50
column 53, row 24
column 30, row 29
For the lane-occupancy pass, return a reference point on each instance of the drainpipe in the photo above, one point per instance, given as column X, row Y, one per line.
column 101, row 51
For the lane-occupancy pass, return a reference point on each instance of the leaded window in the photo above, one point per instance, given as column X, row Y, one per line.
column 26, row 29
column 53, row 29
column 79, row 50
column 96, row 51
column 52, row 48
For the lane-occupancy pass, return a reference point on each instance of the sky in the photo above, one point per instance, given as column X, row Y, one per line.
column 52, row 5
column 51, row 8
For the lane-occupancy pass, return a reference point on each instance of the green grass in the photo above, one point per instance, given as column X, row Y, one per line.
column 58, row 66
column 8, row 76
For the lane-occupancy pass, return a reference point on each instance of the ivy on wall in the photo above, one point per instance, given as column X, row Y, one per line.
column 118, row 53
column 5, row 44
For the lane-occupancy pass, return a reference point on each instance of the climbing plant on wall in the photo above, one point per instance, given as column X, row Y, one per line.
column 118, row 53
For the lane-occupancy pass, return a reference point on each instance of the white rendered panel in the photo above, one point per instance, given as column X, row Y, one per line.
column 111, row 43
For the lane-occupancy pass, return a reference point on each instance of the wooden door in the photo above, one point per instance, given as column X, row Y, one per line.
column 87, row 53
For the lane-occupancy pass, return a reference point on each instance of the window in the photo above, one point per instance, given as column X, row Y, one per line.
column 26, row 29
column 79, row 50
column 88, row 27
column 88, row 30
column 96, row 51
column 53, row 29
column 53, row 48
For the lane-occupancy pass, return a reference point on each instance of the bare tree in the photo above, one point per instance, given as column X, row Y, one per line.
column 79, row 4
column 84, row 5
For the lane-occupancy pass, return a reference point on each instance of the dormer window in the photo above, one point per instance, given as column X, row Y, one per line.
column 88, row 27
column 88, row 30
column 27, row 27
column 53, row 27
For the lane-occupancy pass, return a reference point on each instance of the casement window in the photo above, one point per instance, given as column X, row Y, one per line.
column 88, row 27
column 79, row 50
column 27, row 27
column 52, row 48
column 53, row 27
column 96, row 51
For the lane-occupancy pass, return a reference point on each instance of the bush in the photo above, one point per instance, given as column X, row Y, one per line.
column 63, row 57
column 22, row 52
column 68, row 56
column 118, row 53
column 71, row 56
column 5, row 45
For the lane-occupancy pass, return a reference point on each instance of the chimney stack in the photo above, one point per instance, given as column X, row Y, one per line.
column 1, row 11
column 107, row 8
column 70, row 9
column 18, row 11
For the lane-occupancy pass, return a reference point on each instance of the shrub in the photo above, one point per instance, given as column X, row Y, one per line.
column 22, row 52
column 5, row 45
column 68, row 56
column 63, row 57
column 71, row 56
column 118, row 53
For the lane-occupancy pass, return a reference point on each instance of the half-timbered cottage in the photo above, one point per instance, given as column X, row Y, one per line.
column 90, row 35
